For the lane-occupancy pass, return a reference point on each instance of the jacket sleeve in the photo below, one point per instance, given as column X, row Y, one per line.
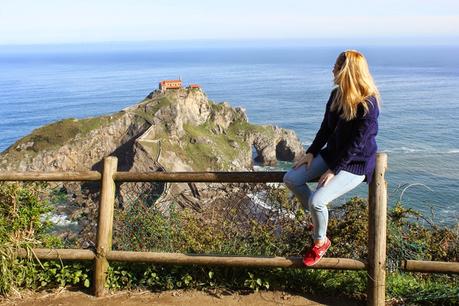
column 364, row 125
column 324, row 132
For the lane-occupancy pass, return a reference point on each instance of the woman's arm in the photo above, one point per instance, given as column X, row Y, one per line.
column 365, row 125
column 324, row 132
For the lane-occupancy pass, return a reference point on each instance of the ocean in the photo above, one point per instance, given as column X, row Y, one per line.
column 285, row 85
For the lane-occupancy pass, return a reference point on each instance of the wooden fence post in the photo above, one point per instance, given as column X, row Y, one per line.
column 104, row 224
column 377, row 218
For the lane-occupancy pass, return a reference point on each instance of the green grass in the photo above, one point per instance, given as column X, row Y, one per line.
column 149, row 108
column 55, row 135
column 204, row 154
column 228, row 147
column 244, row 126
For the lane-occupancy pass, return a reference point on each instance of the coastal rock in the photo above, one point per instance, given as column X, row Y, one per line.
column 178, row 130
column 277, row 144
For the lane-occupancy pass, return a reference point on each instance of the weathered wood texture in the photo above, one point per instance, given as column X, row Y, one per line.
column 194, row 259
column 241, row 261
column 104, row 224
column 377, row 218
column 221, row 177
column 64, row 254
column 430, row 266
column 51, row 176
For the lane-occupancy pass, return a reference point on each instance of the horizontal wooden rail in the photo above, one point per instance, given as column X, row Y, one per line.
column 240, row 261
column 218, row 177
column 209, row 177
column 281, row 262
column 64, row 254
column 51, row 176
column 194, row 259
column 430, row 266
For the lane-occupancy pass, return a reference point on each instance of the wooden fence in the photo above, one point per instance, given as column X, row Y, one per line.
column 377, row 200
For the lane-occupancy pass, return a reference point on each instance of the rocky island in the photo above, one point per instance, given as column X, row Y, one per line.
column 176, row 130
column 169, row 130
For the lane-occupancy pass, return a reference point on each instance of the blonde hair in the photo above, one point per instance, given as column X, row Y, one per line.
column 355, row 84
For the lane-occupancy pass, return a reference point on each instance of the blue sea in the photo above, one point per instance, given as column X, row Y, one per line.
column 282, row 84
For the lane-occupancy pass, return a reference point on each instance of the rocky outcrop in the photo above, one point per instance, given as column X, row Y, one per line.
column 47, row 149
column 179, row 130
column 281, row 144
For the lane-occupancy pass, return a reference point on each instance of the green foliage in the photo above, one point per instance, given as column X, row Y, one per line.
column 411, row 236
column 348, row 229
column 20, row 226
column 56, row 134
column 39, row 275
column 189, row 232
column 55, row 272
column 149, row 108
column 125, row 276
column 243, row 126
column 21, row 211
column 411, row 289
column 203, row 153
column 255, row 283
column 118, row 278
column 141, row 227
column 24, row 223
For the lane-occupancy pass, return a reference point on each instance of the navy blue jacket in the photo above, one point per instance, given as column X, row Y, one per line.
column 351, row 145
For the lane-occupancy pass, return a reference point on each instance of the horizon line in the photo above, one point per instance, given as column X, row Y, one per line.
column 364, row 41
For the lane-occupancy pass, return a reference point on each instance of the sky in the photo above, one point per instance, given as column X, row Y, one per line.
column 86, row 21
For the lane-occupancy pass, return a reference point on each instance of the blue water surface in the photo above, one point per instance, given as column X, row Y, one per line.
column 283, row 85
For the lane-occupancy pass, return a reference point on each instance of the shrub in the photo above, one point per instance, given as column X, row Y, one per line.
column 24, row 223
column 229, row 230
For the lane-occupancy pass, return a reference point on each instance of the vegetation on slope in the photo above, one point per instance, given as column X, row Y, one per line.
column 55, row 135
column 142, row 227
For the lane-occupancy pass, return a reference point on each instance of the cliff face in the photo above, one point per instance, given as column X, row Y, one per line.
column 73, row 145
column 180, row 130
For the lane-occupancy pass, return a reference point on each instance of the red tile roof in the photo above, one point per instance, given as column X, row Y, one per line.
column 170, row 81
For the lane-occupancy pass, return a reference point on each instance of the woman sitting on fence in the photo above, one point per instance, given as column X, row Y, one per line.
column 349, row 127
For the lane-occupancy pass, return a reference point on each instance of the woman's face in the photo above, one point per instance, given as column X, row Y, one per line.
column 335, row 70
column 338, row 64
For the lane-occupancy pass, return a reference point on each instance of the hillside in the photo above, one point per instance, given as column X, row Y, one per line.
column 179, row 130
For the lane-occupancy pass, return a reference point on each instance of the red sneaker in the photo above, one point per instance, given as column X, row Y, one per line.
column 316, row 253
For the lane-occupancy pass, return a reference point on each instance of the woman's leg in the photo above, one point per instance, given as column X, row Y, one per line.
column 295, row 179
column 341, row 183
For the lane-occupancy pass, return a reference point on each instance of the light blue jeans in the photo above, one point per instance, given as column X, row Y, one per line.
column 316, row 201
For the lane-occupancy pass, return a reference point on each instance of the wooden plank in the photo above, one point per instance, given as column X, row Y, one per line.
column 430, row 266
column 221, row 177
column 50, row 176
column 64, row 254
column 240, row 261
column 377, row 218
column 194, row 259
column 104, row 224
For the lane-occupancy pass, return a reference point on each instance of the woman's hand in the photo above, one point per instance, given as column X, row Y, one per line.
column 325, row 178
column 304, row 159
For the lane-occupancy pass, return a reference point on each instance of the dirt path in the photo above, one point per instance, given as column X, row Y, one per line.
column 176, row 297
